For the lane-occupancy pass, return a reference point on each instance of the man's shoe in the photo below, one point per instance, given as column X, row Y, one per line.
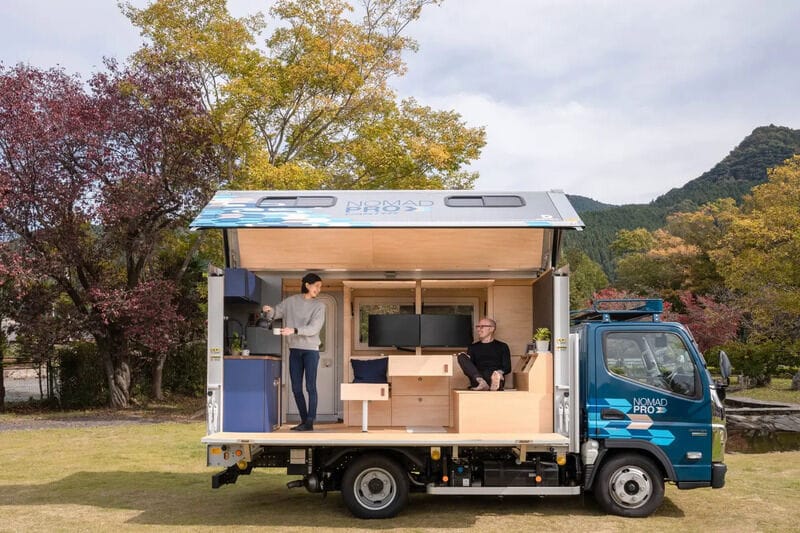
column 482, row 385
column 497, row 380
column 298, row 426
column 306, row 426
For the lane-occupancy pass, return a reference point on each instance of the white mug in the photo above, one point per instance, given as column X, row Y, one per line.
column 276, row 331
column 245, row 352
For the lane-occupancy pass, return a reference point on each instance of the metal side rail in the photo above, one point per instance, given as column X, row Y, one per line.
column 505, row 491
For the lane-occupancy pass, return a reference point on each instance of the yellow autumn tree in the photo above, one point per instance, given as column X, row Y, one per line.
column 758, row 255
column 310, row 105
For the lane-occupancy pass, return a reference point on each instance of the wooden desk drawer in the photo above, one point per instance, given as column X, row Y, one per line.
column 420, row 386
column 420, row 410
column 420, row 365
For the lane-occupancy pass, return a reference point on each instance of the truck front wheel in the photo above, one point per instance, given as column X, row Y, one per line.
column 374, row 486
column 629, row 485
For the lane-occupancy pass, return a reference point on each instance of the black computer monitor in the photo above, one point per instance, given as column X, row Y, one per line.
column 394, row 330
column 445, row 330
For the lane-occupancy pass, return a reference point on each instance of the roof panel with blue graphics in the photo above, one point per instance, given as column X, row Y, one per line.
column 387, row 209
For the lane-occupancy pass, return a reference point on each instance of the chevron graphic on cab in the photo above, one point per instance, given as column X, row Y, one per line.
column 635, row 422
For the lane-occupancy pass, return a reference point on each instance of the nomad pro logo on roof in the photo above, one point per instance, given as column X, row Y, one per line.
column 386, row 207
column 649, row 406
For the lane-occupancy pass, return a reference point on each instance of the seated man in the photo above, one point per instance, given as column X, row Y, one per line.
column 486, row 361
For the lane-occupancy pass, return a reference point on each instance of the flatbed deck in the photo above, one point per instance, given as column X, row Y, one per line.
column 337, row 434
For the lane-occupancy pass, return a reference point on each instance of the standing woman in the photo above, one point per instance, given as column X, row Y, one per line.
column 303, row 316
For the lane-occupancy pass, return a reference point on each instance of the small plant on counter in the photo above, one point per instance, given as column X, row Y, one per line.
column 542, row 339
column 236, row 344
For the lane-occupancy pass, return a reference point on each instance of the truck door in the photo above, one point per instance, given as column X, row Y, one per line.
column 648, row 387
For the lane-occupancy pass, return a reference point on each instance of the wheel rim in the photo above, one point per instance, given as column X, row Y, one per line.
column 374, row 488
column 630, row 487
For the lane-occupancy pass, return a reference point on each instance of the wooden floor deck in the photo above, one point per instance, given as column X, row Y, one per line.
column 337, row 434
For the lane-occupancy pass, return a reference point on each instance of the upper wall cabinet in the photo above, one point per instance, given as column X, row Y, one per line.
column 242, row 286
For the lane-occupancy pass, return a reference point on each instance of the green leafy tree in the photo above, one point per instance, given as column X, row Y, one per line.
column 703, row 228
column 586, row 278
column 655, row 262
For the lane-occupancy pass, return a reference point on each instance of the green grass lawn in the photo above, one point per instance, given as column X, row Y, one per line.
column 153, row 477
column 779, row 390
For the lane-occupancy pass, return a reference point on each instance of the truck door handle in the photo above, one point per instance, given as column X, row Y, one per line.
column 612, row 414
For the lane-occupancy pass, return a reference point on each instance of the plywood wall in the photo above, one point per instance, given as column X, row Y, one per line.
column 511, row 308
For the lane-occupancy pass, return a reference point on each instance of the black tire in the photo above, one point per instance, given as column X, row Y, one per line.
column 374, row 486
column 629, row 485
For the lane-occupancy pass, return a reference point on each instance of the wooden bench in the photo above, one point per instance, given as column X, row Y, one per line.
column 528, row 408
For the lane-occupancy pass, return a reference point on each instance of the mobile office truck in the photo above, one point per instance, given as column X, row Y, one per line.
column 620, row 404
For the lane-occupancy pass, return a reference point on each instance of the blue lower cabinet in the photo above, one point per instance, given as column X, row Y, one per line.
column 251, row 388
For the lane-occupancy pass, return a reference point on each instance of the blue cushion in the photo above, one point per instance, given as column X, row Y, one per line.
column 370, row 370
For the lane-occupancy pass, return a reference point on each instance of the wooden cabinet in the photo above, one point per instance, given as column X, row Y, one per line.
column 420, row 393
column 420, row 401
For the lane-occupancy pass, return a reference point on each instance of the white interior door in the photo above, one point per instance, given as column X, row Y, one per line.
column 326, row 372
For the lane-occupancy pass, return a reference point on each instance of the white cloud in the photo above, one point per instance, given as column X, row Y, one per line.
column 589, row 151
column 618, row 100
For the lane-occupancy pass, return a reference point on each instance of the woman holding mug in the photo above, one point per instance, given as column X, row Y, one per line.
column 303, row 317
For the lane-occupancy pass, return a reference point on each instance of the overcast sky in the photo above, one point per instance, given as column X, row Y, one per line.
column 616, row 100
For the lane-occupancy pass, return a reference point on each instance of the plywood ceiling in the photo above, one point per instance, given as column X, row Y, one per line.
column 382, row 249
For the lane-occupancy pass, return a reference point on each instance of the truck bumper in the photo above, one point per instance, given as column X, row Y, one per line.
column 718, row 471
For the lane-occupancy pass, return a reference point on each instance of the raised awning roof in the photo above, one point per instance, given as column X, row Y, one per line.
column 387, row 209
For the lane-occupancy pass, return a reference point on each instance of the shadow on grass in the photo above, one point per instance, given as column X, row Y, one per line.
column 261, row 499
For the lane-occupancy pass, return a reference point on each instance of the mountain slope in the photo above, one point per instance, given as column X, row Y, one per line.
column 582, row 204
column 734, row 176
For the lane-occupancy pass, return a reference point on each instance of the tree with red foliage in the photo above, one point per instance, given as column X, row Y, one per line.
column 712, row 323
column 91, row 182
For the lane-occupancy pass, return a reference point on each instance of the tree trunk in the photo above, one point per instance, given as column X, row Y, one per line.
column 795, row 381
column 158, row 375
column 2, row 379
column 118, row 371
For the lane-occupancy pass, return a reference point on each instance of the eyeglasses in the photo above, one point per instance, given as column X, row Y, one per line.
column 483, row 326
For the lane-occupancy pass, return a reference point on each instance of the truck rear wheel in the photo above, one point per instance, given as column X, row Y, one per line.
column 629, row 485
column 374, row 486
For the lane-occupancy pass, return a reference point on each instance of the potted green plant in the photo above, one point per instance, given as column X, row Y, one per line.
column 236, row 344
column 542, row 339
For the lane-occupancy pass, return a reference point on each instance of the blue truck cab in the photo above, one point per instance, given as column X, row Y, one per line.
column 650, row 408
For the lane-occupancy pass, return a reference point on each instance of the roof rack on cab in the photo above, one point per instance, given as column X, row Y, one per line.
column 620, row 310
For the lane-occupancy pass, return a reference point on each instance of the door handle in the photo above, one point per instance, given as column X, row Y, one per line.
column 612, row 414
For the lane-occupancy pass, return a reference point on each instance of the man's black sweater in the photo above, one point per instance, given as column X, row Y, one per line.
column 490, row 356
